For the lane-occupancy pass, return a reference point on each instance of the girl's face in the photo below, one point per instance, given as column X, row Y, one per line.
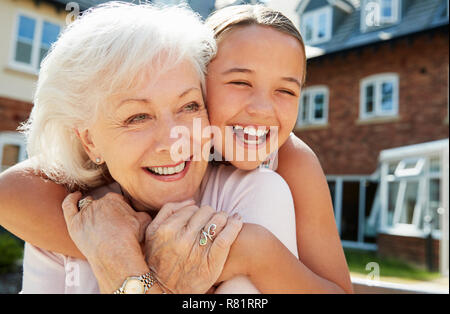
column 254, row 83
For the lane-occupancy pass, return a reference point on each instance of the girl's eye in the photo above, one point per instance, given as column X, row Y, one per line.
column 288, row 92
column 138, row 118
column 240, row 83
column 192, row 107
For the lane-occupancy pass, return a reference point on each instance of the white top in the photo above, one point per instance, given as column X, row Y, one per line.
column 260, row 196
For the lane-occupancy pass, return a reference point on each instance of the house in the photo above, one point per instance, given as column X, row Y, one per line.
column 375, row 111
column 27, row 28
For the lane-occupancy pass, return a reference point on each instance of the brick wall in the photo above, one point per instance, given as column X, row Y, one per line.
column 347, row 146
column 12, row 113
column 409, row 249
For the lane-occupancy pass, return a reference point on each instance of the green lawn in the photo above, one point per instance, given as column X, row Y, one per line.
column 358, row 259
column 11, row 250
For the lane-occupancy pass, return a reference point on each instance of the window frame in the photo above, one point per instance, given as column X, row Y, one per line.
column 383, row 21
column 12, row 138
column 314, row 15
column 377, row 81
column 311, row 120
column 33, row 67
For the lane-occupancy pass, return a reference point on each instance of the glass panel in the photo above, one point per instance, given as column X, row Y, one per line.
column 350, row 210
column 23, row 52
column 26, row 28
column 308, row 29
column 409, row 203
column 369, row 98
column 50, row 33
column 322, row 26
column 435, row 196
column 435, row 165
column 10, row 155
column 42, row 54
column 305, row 108
column 386, row 8
column 387, row 90
column 372, row 211
column 319, row 106
column 332, row 187
column 392, row 200
column 392, row 167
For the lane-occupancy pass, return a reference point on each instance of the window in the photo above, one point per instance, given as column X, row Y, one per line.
column 379, row 13
column 356, row 209
column 12, row 149
column 413, row 195
column 317, row 26
column 313, row 107
column 379, row 96
column 32, row 40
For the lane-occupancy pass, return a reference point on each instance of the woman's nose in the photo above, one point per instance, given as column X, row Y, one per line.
column 171, row 136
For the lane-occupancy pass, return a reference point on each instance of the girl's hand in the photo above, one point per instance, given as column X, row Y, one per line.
column 108, row 232
column 173, row 251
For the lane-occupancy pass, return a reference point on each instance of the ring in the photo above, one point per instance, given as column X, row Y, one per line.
column 208, row 235
column 83, row 203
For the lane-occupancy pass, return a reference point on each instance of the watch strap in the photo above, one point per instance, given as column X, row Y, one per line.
column 148, row 280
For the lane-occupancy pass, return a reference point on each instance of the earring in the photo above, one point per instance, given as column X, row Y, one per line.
column 97, row 160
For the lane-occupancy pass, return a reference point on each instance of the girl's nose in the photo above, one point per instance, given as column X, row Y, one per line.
column 260, row 107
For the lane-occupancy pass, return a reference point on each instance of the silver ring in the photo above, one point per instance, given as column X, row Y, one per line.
column 208, row 235
column 83, row 203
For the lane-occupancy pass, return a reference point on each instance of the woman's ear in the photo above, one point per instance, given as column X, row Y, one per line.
column 85, row 137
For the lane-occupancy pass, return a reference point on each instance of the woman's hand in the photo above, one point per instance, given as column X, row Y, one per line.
column 173, row 250
column 108, row 232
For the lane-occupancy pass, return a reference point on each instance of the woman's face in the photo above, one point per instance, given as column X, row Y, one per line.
column 254, row 82
column 132, row 135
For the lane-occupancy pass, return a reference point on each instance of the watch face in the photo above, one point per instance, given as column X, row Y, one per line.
column 134, row 286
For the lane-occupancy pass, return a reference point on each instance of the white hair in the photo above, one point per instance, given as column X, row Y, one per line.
column 104, row 51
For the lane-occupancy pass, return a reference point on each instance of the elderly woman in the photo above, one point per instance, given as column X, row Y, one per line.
column 115, row 84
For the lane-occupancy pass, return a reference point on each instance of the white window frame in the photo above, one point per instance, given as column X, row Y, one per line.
column 314, row 15
column 377, row 81
column 426, row 152
column 338, row 197
column 32, row 68
column 380, row 20
column 12, row 138
column 312, row 92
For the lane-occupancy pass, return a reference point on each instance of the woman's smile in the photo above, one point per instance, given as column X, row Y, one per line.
column 169, row 173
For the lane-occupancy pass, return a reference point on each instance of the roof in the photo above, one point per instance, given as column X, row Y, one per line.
column 417, row 16
column 203, row 7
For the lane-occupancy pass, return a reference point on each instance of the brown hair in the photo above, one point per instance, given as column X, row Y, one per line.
column 224, row 20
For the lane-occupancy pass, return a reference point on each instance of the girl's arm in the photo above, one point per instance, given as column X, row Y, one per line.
column 30, row 208
column 266, row 248
column 319, row 246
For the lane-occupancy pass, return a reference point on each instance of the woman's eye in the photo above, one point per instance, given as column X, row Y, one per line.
column 138, row 118
column 192, row 107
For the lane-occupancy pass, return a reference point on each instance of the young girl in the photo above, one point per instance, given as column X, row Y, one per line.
column 254, row 83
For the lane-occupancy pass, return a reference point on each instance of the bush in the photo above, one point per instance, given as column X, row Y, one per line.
column 11, row 251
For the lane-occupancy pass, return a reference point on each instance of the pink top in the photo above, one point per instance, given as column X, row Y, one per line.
column 260, row 196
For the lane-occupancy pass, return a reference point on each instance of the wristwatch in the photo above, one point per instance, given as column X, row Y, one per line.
column 137, row 285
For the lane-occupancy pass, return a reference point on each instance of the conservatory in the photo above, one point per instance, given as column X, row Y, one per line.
column 413, row 203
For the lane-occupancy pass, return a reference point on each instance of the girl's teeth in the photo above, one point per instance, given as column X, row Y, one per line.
column 250, row 130
column 250, row 135
column 168, row 170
